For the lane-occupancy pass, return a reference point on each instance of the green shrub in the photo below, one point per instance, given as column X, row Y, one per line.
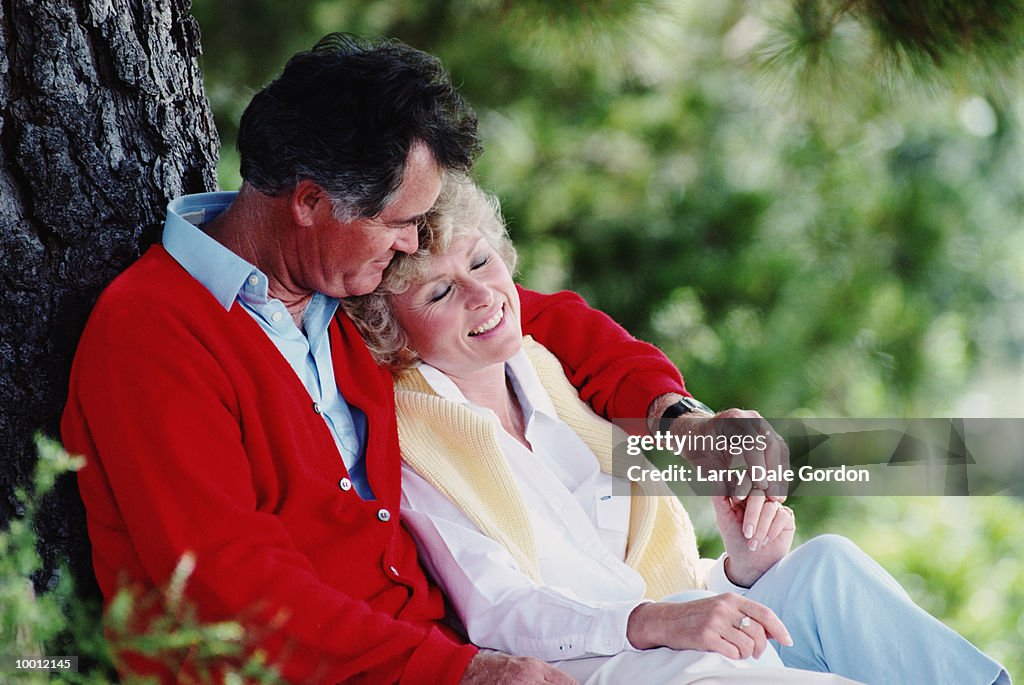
column 59, row 622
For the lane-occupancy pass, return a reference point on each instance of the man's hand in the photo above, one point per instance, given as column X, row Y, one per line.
column 737, row 425
column 495, row 668
column 714, row 624
column 770, row 535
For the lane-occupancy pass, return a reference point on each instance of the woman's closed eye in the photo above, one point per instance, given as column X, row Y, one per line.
column 440, row 292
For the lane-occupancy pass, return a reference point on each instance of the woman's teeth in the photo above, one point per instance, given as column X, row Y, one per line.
column 491, row 323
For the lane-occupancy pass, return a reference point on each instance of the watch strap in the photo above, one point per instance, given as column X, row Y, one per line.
column 677, row 409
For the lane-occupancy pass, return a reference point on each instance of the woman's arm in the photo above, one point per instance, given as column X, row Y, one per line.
column 500, row 606
column 503, row 608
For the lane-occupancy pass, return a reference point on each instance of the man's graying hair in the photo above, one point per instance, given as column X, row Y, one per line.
column 344, row 116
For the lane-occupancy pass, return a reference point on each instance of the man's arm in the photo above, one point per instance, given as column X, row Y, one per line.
column 618, row 375
column 625, row 378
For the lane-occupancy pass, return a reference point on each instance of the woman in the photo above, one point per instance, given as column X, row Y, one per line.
column 507, row 489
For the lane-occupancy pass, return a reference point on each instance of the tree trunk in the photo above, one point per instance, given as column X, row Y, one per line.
column 103, row 119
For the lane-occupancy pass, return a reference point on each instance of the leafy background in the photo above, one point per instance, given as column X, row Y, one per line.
column 814, row 207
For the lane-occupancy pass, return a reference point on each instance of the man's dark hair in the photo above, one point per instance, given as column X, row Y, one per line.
column 345, row 114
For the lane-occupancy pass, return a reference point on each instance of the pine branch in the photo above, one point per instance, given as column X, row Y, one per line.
column 819, row 50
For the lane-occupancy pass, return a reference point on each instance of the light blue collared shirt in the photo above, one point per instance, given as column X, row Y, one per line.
column 230, row 279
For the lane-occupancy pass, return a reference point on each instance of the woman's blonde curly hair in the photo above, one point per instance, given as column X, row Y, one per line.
column 461, row 209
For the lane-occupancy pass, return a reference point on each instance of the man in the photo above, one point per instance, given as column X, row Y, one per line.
column 226, row 411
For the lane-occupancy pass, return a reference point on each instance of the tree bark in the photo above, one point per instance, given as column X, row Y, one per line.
column 103, row 119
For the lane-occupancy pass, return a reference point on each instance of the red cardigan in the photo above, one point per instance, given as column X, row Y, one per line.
column 200, row 438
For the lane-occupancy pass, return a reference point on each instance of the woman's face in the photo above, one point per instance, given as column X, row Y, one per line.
column 465, row 316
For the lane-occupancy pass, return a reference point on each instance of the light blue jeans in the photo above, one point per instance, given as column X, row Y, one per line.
column 848, row 616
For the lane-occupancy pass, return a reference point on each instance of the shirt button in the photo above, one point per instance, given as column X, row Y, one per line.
column 316, row 408
column 384, row 515
column 345, row 484
column 276, row 316
column 254, row 279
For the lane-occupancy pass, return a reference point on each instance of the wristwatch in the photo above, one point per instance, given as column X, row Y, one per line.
column 683, row 406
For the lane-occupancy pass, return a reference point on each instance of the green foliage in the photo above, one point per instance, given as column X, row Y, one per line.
column 29, row 623
column 57, row 622
column 845, row 48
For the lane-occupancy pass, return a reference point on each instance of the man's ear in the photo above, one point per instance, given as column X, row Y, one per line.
column 308, row 202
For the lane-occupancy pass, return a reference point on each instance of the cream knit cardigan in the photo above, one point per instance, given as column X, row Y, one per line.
column 457, row 451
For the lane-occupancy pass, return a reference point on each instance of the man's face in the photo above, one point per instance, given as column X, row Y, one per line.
column 344, row 258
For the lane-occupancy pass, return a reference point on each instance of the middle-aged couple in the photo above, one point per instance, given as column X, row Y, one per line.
column 229, row 410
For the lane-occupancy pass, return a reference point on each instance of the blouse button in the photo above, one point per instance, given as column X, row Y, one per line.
column 384, row 515
column 345, row 484
column 316, row 408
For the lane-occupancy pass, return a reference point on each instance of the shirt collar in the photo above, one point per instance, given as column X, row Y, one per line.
column 532, row 395
column 318, row 315
column 441, row 384
column 525, row 379
column 220, row 270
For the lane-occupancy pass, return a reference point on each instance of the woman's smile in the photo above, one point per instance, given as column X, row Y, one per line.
column 489, row 325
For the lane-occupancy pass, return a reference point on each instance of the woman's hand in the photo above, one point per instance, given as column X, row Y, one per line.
column 714, row 624
column 757, row 533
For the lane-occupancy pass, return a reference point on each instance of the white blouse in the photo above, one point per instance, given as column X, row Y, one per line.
column 580, row 531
